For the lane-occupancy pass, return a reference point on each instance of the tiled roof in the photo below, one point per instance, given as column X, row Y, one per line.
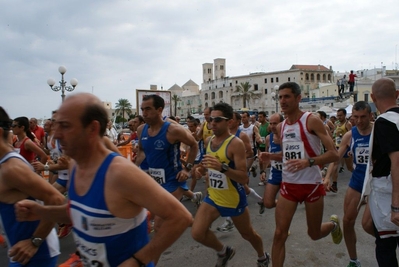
column 309, row 67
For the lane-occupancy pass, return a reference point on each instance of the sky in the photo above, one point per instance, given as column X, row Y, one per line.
column 115, row 47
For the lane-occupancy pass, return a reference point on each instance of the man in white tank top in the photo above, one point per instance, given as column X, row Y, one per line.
column 301, row 135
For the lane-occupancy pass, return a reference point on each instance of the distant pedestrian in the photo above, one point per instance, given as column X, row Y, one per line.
column 351, row 81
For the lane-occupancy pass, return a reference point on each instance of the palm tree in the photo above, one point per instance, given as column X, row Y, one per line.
column 123, row 106
column 243, row 88
column 175, row 99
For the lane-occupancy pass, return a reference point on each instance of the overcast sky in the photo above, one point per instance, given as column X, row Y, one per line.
column 115, row 47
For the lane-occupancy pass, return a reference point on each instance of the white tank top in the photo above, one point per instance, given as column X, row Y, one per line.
column 299, row 143
column 250, row 132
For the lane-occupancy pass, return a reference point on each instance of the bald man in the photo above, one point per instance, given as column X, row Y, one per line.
column 385, row 174
column 107, row 194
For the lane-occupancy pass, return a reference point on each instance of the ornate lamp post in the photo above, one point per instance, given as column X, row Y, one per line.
column 274, row 96
column 63, row 83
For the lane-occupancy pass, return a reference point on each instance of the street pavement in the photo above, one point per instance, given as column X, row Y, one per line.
column 300, row 249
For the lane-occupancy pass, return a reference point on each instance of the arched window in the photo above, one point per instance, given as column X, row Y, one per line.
column 206, row 96
column 307, row 76
column 220, row 94
column 213, row 95
column 324, row 77
column 312, row 77
column 318, row 76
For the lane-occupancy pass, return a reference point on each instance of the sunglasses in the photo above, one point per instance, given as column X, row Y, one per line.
column 218, row 119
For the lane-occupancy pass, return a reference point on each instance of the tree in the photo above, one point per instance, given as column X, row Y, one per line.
column 123, row 106
column 243, row 88
column 175, row 99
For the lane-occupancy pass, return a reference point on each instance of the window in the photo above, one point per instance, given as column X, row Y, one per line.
column 318, row 77
column 209, row 71
column 255, row 87
column 276, row 79
column 231, row 84
column 221, row 94
column 366, row 97
column 221, row 67
column 265, row 80
column 213, row 96
column 307, row 76
column 265, row 91
column 236, row 81
column 271, row 80
column 289, row 79
column 355, row 98
column 206, row 96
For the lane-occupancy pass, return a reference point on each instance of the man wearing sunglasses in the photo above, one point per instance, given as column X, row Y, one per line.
column 226, row 165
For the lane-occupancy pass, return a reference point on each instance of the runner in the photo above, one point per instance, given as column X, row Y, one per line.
column 301, row 135
column 226, row 166
column 357, row 140
column 107, row 194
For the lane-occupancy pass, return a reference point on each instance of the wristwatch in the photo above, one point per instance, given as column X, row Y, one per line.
column 46, row 168
column 189, row 166
column 311, row 162
column 225, row 168
column 36, row 241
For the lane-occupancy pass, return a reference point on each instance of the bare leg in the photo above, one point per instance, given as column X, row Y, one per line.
column 351, row 201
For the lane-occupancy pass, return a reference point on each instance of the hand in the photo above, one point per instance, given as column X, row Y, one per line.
column 22, row 251
column 326, row 184
column 63, row 163
column 262, row 177
column 182, row 175
column 395, row 218
column 265, row 157
column 211, row 162
column 294, row 165
column 38, row 166
column 27, row 210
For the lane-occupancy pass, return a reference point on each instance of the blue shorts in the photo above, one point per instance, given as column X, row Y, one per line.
column 227, row 212
column 275, row 177
column 51, row 262
column 62, row 182
column 356, row 182
column 173, row 186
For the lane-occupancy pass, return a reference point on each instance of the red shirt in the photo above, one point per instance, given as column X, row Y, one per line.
column 39, row 133
column 352, row 77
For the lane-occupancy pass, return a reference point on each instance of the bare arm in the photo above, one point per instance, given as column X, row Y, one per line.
column 108, row 144
column 140, row 190
column 140, row 152
column 29, row 145
column 249, row 153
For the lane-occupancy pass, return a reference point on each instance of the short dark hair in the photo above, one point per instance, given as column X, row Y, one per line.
column 141, row 119
column 362, row 105
column 237, row 115
column 209, row 109
column 262, row 113
column 246, row 112
column 342, row 110
column 295, row 89
column 95, row 112
column 322, row 114
column 158, row 101
column 173, row 118
column 225, row 108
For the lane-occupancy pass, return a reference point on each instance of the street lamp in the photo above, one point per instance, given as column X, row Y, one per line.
column 63, row 83
column 274, row 96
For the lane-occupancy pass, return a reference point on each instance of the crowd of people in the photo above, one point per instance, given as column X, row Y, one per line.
column 127, row 212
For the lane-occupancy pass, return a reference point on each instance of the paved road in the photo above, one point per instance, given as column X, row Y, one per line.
column 300, row 249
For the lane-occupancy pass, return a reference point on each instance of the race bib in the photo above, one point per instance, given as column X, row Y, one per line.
column 338, row 141
column 91, row 254
column 362, row 155
column 263, row 139
column 278, row 165
column 293, row 150
column 158, row 175
column 217, row 180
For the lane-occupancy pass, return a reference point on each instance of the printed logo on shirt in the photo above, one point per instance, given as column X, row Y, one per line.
column 159, row 145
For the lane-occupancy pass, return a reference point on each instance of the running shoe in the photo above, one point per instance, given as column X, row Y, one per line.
column 198, row 199
column 184, row 198
column 253, row 170
column 341, row 170
column 265, row 262
column 336, row 233
column 222, row 260
column 226, row 227
column 64, row 230
column 262, row 183
column 261, row 207
column 334, row 188
column 354, row 264
column 73, row 261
